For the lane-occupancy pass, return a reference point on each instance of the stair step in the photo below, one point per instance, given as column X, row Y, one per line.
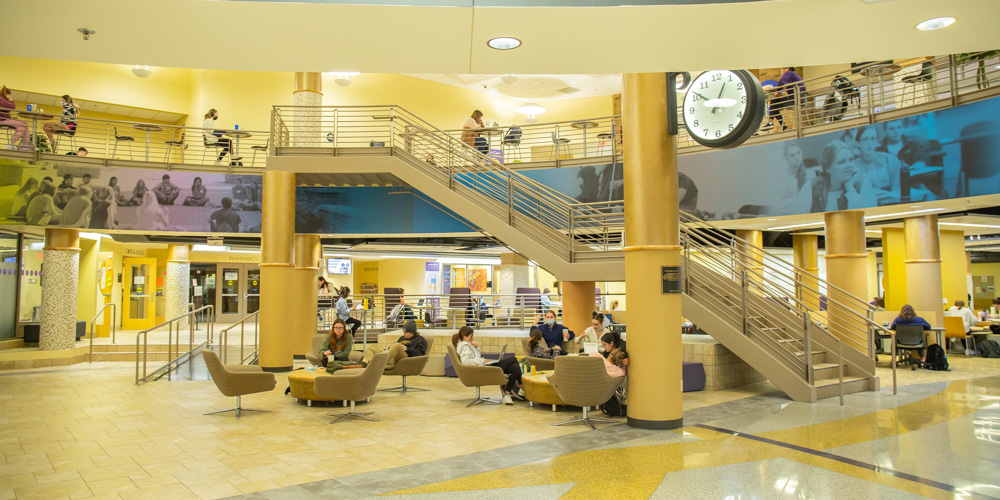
column 825, row 366
column 834, row 381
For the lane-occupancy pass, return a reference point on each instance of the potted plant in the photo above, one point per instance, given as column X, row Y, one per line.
column 980, row 57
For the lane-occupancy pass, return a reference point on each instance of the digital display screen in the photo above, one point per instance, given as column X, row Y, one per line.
column 338, row 266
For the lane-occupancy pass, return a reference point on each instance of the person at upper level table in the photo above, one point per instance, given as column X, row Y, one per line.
column 547, row 302
column 213, row 136
column 789, row 84
column 969, row 319
column 554, row 333
column 470, row 134
column 20, row 127
column 67, row 122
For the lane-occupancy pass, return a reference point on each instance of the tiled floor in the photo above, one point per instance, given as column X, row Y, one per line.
column 88, row 431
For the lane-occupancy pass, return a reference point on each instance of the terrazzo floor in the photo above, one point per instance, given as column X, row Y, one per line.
column 89, row 432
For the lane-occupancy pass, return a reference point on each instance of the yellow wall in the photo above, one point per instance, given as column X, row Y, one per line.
column 245, row 97
column 407, row 274
column 872, row 262
column 86, row 297
column 986, row 269
column 893, row 269
column 954, row 285
column 365, row 272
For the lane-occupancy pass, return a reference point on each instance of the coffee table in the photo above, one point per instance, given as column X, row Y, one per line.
column 301, row 384
column 537, row 389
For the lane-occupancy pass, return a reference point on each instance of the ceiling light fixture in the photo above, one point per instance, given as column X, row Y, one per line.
column 141, row 71
column 530, row 109
column 504, row 43
column 940, row 224
column 509, row 79
column 795, row 225
column 936, row 23
column 86, row 32
column 905, row 213
column 343, row 79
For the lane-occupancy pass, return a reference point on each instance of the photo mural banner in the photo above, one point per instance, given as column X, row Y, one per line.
column 370, row 210
column 100, row 198
column 951, row 153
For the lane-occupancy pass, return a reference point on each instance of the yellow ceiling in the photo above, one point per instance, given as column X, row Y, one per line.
column 383, row 39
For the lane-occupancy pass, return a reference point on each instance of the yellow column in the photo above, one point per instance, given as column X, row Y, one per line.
column 579, row 299
column 652, row 242
column 61, row 258
column 893, row 268
column 805, row 248
column 308, row 91
column 303, row 321
column 846, row 269
column 276, row 299
column 749, row 256
column 923, row 265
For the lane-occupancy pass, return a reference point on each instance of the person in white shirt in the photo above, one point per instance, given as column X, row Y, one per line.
column 468, row 354
column 470, row 135
column 969, row 319
column 213, row 136
column 593, row 332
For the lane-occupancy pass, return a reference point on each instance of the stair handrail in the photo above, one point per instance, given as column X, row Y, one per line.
column 114, row 315
column 224, row 337
column 172, row 362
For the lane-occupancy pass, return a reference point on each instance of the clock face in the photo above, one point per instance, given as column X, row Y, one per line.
column 723, row 108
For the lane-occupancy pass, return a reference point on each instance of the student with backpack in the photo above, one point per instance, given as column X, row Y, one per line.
column 907, row 316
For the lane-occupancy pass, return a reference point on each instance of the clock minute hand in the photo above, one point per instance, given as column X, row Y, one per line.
column 723, row 89
column 699, row 95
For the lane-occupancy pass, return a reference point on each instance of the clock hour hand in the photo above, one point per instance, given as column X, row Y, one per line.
column 699, row 95
column 723, row 89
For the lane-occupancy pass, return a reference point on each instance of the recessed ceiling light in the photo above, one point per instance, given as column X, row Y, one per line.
column 916, row 206
column 936, row 23
column 504, row 43
column 772, row 219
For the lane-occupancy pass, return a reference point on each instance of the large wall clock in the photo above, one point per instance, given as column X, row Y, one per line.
column 723, row 108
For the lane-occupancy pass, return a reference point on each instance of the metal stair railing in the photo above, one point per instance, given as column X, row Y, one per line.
column 224, row 339
column 114, row 328
column 142, row 349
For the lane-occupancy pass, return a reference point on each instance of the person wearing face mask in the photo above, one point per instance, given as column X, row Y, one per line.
column 213, row 136
column 553, row 333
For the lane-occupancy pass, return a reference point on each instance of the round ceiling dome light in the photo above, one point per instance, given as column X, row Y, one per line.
column 936, row 23
column 504, row 43
column 141, row 71
column 509, row 79
column 530, row 108
column 343, row 79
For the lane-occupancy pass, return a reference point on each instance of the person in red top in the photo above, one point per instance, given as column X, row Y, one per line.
column 20, row 127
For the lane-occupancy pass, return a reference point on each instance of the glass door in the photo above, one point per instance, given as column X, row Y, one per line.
column 252, row 304
column 203, row 278
column 229, row 293
column 139, row 290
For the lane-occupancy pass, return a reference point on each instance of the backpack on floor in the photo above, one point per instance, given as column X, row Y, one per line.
column 936, row 360
column 989, row 349
column 614, row 407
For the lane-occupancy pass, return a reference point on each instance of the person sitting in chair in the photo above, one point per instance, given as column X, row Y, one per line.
column 409, row 344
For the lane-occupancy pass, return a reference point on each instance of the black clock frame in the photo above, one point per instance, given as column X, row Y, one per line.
column 752, row 118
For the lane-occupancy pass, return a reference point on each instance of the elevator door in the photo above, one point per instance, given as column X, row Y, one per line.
column 238, row 291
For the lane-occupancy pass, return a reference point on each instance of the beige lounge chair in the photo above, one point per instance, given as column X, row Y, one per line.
column 237, row 380
column 352, row 385
column 540, row 364
column 583, row 381
column 477, row 376
column 410, row 366
column 318, row 340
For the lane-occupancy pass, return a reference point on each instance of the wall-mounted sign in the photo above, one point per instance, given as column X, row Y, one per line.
column 134, row 252
column 671, row 276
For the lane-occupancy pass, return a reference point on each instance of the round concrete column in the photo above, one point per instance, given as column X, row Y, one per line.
column 308, row 251
column 749, row 253
column 177, row 285
column 61, row 258
column 922, row 259
column 805, row 248
column 276, row 291
column 652, row 243
column 579, row 301
column 847, row 269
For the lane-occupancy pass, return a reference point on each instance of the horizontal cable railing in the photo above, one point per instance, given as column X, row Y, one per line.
column 144, row 142
column 565, row 140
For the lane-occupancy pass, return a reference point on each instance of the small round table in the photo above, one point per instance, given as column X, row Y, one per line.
column 585, row 124
column 147, row 127
column 35, row 116
column 237, row 135
column 537, row 389
column 880, row 71
column 301, row 384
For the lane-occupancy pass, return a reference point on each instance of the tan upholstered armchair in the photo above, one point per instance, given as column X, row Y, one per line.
column 317, row 341
column 410, row 366
column 583, row 381
column 237, row 380
column 540, row 364
column 477, row 376
column 352, row 385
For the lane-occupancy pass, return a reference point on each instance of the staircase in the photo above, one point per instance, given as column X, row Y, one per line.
column 737, row 293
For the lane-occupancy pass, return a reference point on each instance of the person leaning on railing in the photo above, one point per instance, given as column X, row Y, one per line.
column 785, row 97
